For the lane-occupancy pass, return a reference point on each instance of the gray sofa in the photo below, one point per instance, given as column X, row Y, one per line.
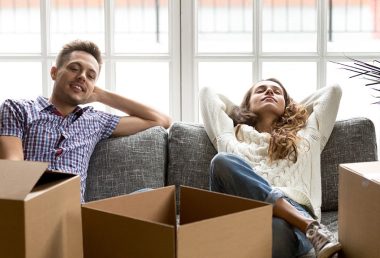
column 181, row 156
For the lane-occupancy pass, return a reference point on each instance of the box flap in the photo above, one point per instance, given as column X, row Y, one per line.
column 368, row 170
column 215, row 225
column 157, row 205
column 17, row 178
column 211, row 204
column 243, row 234
column 111, row 235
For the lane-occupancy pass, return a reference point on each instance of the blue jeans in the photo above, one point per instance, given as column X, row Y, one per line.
column 230, row 174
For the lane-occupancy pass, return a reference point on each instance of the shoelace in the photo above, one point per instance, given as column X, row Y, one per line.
column 319, row 236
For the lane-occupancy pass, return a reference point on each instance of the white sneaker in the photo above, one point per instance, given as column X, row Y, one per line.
column 325, row 244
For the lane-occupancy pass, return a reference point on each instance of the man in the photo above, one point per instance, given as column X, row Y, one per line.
column 57, row 130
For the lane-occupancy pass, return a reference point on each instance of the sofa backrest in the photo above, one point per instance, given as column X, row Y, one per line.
column 190, row 153
column 125, row 164
column 352, row 140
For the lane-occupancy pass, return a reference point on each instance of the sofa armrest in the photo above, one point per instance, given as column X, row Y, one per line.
column 352, row 140
column 125, row 164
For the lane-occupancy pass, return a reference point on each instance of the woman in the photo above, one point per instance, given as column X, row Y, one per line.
column 269, row 150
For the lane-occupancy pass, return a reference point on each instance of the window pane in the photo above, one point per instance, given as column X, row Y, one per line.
column 224, row 25
column 299, row 78
column 354, row 26
column 20, row 80
column 141, row 26
column 20, row 20
column 356, row 99
column 289, row 26
column 71, row 19
column 354, row 91
column 144, row 82
column 232, row 79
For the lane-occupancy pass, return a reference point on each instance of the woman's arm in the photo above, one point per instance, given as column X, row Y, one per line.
column 322, row 107
column 216, row 121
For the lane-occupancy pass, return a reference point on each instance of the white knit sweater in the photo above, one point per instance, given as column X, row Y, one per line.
column 301, row 181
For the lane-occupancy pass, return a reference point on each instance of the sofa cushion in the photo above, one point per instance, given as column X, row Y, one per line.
column 330, row 220
column 190, row 153
column 125, row 164
column 352, row 140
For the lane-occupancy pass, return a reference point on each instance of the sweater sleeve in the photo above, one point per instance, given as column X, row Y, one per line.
column 322, row 107
column 218, row 125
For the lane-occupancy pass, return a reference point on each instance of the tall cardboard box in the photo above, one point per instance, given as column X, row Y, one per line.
column 359, row 209
column 211, row 225
column 39, row 212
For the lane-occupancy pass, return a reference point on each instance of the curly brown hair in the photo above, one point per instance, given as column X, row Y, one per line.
column 284, row 139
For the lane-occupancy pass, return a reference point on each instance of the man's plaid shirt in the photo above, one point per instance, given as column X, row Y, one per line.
column 65, row 142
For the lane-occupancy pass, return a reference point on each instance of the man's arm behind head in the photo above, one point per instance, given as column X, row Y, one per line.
column 11, row 148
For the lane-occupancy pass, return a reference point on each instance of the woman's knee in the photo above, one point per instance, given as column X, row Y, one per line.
column 220, row 163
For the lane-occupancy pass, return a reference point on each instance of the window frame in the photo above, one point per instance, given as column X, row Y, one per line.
column 46, row 58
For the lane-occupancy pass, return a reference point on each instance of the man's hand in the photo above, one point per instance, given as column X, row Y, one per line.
column 94, row 97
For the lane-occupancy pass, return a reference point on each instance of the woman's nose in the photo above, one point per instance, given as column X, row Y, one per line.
column 269, row 91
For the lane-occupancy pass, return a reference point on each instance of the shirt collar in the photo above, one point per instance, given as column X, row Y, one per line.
column 44, row 104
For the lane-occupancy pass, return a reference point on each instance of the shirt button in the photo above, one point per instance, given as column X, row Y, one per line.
column 58, row 152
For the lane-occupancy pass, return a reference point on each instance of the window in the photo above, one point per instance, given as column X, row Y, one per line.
column 237, row 42
column 163, row 51
column 138, row 40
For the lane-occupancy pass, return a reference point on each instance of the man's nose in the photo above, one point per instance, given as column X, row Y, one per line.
column 82, row 76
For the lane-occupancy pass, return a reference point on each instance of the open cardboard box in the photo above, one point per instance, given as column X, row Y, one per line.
column 39, row 212
column 359, row 209
column 144, row 225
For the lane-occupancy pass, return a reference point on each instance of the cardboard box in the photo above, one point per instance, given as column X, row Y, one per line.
column 359, row 209
column 144, row 225
column 39, row 212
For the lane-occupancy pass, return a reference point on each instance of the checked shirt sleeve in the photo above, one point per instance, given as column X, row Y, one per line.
column 11, row 119
column 109, row 123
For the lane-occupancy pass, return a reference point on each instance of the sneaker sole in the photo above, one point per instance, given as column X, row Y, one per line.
column 329, row 249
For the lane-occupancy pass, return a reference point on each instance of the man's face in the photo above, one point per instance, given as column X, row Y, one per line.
column 75, row 79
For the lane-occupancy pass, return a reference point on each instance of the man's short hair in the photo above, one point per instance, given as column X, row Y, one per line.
column 79, row 45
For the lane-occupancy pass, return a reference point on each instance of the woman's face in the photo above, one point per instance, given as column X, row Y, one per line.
column 267, row 98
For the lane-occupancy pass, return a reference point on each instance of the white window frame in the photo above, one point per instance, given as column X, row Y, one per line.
column 46, row 58
column 182, row 57
column 190, row 59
